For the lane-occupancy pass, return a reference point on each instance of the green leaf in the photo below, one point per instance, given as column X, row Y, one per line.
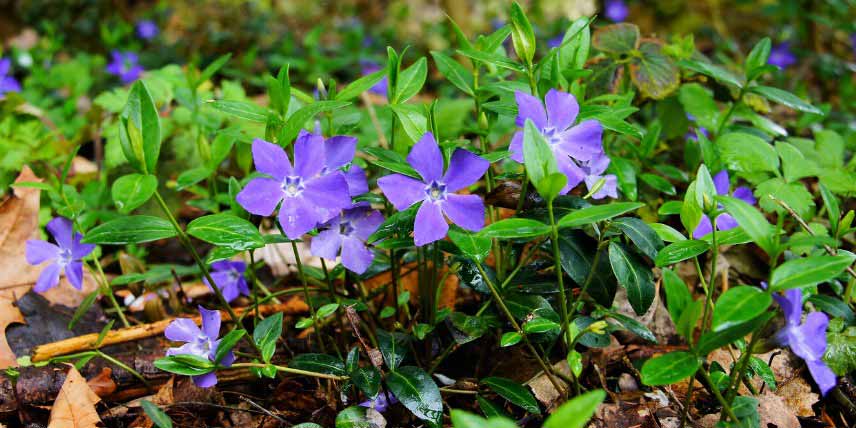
column 191, row 176
column 667, row 233
column 634, row 276
column 699, row 102
column 185, row 364
column 669, row 368
column 705, row 190
column 357, row 87
column 132, row 190
column 416, row 391
column 226, row 230
column 576, row 412
column 212, row 68
column 492, row 58
column 686, row 323
column 514, row 392
column 455, row 73
column 596, row 213
column 794, row 164
column 319, row 363
column 367, row 379
column 133, row 229
column 474, row 246
column 760, row 368
column 352, row 417
column 522, row 35
column 808, row 271
column 718, row 73
column 785, row 98
column 619, row 38
column 677, row 294
column 266, row 334
column 540, row 325
column 679, row 251
column 160, row 419
column 747, row 153
column 634, row 326
column 241, row 109
column 751, row 221
column 690, row 210
column 510, row 338
column 139, row 129
column 758, row 57
column 794, row 194
column 413, row 122
column 659, row 183
column 298, row 119
column 537, row 157
column 551, row 186
column 393, row 347
column 717, row 339
column 641, row 234
column 738, row 305
column 410, row 81
column 576, row 44
column 511, row 228
column 577, row 252
column 653, row 72
column 226, row 344
column 840, row 353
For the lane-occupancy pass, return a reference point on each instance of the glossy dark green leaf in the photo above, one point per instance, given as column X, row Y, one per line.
column 596, row 213
column 785, row 98
column 241, row 109
column 808, row 271
column 227, row 342
column 416, row 391
column 456, row 73
column 132, row 190
column 353, row 417
column 751, row 221
column 474, row 246
column 659, row 183
column 226, row 230
column 139, row 129
column 192, row 176
column 669, row 368
column 367, row 379
column 577, row 251
column 511, row 228
column 410, row 81
column 514, row 392
column 266, row 334
column 130, row 230
column 634, row 326
column 393, row 347
column 319, row 363
column 677, row 294
column 738, row 305
column 540, row 325
column 679, row 251
column 717, row 72
column 641, row 234
column 187, row 365
column 760, row 368
column 634, row 276
column 710, row 341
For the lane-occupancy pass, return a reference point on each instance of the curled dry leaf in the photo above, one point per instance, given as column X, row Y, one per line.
column 75, row 405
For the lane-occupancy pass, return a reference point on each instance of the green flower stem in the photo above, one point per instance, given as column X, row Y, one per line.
column 589, row 277
column 563, row 300
column 290, row 370
column 124, row 367
column 730, row 111
column 742, row 364
column 708, row 301
column 306, row 294
column 498, row 298
column 713, row 389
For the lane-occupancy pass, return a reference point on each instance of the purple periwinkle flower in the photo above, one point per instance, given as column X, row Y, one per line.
column 7, row 81
column 229, row 277
column 147, row 29
column 571, row 144
column 615, row 10
column 309, row 195
column 436, row 190
column 339, row 151
column 555, row 42
column 199, row 342
column 724, row 221
column 125, row 65
column 594, row 170
column 380, row 403
column 379, row 88
column 692, row 133
column 65, row 256
column 347, row 233
column 806, row 340
column 781, row 56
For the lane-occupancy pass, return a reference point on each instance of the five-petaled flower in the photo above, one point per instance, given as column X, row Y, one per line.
column 339, row 151
column 594, row 170
column 7, row 81
column 781, row 56
column 806, row 340
column 436, row 190
column 615, row 10
column 310, row 194
column 125, row 65
column 147, row 29
column 348, row 232
column 572, row 145
column 229, row 277
column 199, row 342
column 724, row 221
column 64, row 257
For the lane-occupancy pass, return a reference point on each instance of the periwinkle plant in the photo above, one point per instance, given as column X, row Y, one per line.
column 418, row 195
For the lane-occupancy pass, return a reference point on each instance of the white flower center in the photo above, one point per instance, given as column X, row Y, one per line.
column 292, row 186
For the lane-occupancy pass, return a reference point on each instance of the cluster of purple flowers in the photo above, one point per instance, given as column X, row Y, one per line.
column 578, row 149
column 315, row 192
column 807, row 340
column 8, row 83
column 65, row 256
column 724, row 221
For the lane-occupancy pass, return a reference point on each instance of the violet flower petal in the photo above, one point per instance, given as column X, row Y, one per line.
column 572, row 171
column 426, row 158
column 205, row 381
column 182, row 330
column 367, row 224
column 430, row 225
column 49, row 278
column 80, row 250
column 329, row 191
column 38, row 252
column 271, row 159
column 721, row 182
column 355, row 256
column 297, row 217
column 308, row 155
column 260, row 196
column 357, row 182
column 583, row 142
column 530, row 107
column 61, row 229
column 466, row 211
column 562, row 109
column 339, row 151
column 327, row 243
column 744, row 194
column 74, row 273
column 822, row 375
column 516, row 147
column 465, row 168
column 401, row 190
column 791, row 304
column 704, row 227
column 210, row 322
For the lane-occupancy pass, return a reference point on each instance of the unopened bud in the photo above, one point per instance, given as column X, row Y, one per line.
column 322, row 90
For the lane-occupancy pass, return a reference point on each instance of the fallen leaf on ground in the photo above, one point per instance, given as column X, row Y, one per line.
column 9, row 314
column 75, row 405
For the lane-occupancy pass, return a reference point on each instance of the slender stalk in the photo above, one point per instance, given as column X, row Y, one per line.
column 742, row 364
column 498, row 298
column 124, row 366
column 563, row 300
column 708, row 301
column 290, row 370
column 306, row 294
column 713, row 389
column 108, row 291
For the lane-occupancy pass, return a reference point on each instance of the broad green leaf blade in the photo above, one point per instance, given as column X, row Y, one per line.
column 757, row 57
column 679, row 251
column 677, row 294
column 669, row 368
column 416, row 391
column 241, row 109
column 522, row 35
column 511, row 228
column 455, row 73
column 298, row 119
column 367, row 379
column 576, row 412
column 745, row 152
column 577, row 252
column 751, row 221
column 319, row 363
column 226, row 230
column 718, row 73
column 474, row 246
column 710, row 341
column 393, row 347
column 596, row 213
column 808, row 271
column 226, row 344
column 616, row 38
column 642, row 235
column 785, row 98
column 160, row 419
column 357, row 87
column 738, row 305
column 634, row 276
column 132, row 190
column 653, row 72
column 413, row 122
column 514, row 392
column 266, row 333
column 130, row 230
column 139, row 132
column 538, row 158
column 410, row 81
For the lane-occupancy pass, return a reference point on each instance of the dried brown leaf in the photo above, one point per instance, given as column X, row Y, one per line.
column 75, row 405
